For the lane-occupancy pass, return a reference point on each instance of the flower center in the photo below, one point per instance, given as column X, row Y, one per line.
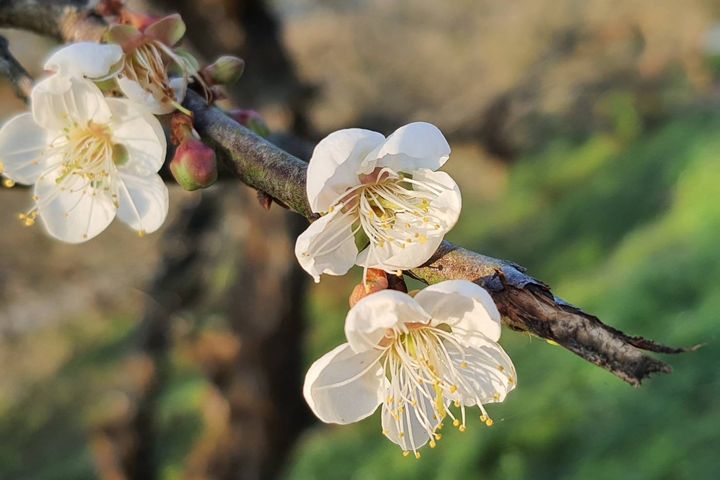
column 388, row 208
column 424, row 366
column 88, row 153
column 88, row 163
column 148, row 65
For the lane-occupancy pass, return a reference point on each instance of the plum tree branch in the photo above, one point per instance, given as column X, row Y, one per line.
column 527, row 304
column 13, row 71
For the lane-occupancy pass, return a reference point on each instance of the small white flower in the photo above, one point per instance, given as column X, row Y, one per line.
column 89, row 157
column 387, row 207
column 417, row 357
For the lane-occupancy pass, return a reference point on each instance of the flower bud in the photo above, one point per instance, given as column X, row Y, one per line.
column 375, row 280
column 194, row 165
column 226, row 70
column 252, row 120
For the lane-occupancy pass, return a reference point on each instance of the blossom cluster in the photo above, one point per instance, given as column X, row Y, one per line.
column 384, row 206
column 92, row 148
column 92, row 145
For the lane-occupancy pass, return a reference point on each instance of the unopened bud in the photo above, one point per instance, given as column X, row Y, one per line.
column 251, row 120
column 226, row 70
column 194, row 165
column 375, row 280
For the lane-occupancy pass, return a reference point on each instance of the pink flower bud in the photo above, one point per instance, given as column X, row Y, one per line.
column 226, row 70
column 250, row 119
column 375, row 281
column 194, row 165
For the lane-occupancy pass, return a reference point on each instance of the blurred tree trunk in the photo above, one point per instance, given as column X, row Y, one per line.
column 256, row 411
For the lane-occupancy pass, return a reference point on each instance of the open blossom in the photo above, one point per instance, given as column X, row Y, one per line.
column 421, row 358
column 145, row 75
column 385, row 206
column 90, row 158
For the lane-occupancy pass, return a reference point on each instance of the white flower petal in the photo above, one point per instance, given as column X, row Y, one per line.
column 84, row 59
column 413, row 146
column 336, row 163
column 410, row 428
column 143, row 201
column 60, row 101
column 392, row 257
column 343, row 386
column 327, row 246
column 487, row 372
column 447, row 205
column 140, row 133
column 370, row 318
column 135, row 92
column 465, row 306
column 22, row 142
column 72, row 211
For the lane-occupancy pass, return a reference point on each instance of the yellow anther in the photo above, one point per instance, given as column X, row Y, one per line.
column 456, row 423
column 2, row 167
column 453, row 389
column 432, row 443
column 483, row 418
column 457, row 403
column 461, row 428
column 8, row 183
column 417, row 455
column 464, row 365
column 141, row 233
column 496, row 397
column 406, row 453
column 501, row 368
column 438, row 436
column 511, row 380
column 489, row 422
column 402, row 435
column 35, row 198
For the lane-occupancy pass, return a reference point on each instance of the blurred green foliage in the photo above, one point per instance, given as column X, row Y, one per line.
column 627, row 225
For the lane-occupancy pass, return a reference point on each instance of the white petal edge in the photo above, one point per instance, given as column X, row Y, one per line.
column 84, row 59
column 487, row 371
column 414, row 434
column 76, row 213
column 343, row 386
column 336, row 163
column 143, row 201
column 464, row 305
column 333, row 231
column 22, row 143
column 140, row 133
column 135, row 92
column 368, row 321
column 59, row 101
column 413, row 146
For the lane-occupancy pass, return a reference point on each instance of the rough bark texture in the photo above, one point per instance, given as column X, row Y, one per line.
column 526, row 303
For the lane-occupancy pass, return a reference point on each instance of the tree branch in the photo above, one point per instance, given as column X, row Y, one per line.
column 526, row 303
column 11, row 68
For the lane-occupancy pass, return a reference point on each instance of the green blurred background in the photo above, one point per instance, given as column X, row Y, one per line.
column 586, row 141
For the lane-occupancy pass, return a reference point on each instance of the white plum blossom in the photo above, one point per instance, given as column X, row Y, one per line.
column 90, row 158
column 384, row 205
column 418, row 357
